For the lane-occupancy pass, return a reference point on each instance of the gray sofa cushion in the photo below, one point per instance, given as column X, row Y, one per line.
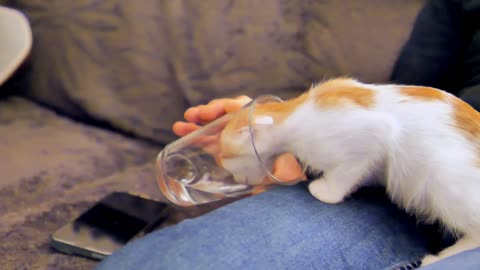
column 52, row 169
column 35, row 141
column 139, row 66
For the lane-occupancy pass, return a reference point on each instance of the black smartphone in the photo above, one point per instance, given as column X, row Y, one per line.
column 108, row 225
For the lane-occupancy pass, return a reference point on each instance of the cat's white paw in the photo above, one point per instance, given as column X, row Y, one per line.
column 325, row 192
column 429, row 259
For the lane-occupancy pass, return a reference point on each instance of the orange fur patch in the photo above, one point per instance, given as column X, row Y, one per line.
column 467, row 120
column 423, row 93
column 278, row 110
column 341, row 92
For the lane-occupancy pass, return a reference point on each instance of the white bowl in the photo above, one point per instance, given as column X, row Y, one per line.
column 15, row 41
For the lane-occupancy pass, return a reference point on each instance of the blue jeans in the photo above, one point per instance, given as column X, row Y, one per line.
column 286, row 228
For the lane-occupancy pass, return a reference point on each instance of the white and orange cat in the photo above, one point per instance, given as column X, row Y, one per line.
column 421, row 143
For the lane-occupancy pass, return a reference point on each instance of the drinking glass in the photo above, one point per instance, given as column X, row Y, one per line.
column 191, row 171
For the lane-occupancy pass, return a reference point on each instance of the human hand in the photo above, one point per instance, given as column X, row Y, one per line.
column 204, row 114
column 286, row 167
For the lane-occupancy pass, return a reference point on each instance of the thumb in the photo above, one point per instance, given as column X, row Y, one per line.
column 286, row 168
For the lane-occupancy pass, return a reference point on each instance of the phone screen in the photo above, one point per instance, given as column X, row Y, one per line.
column 108, row 225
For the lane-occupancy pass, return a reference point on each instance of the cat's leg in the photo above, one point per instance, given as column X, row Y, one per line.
column 463, row 244
column 341, row 181
column 362, row 156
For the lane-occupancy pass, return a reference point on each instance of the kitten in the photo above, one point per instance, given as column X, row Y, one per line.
column 421, row 143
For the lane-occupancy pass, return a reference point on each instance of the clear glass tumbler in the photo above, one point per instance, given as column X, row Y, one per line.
column 194, row 169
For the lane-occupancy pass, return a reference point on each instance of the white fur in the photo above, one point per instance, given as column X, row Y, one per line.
column 413, row 148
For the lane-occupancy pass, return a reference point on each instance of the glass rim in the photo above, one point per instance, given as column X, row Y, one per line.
column 251, row 106
column 164, row 185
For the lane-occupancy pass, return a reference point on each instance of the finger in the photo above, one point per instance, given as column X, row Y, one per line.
column 239, row 102
column 204, row 114
column 223, row 106
column 192, row 115
column 211, row 111
column 183, row 128
column 233, row 105
column 218, row 107
column 286, row 168
column 241, row 99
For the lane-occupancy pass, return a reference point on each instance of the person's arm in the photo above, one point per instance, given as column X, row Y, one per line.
column 433, row 54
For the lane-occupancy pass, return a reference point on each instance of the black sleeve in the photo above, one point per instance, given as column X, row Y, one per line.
column 434, row 52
